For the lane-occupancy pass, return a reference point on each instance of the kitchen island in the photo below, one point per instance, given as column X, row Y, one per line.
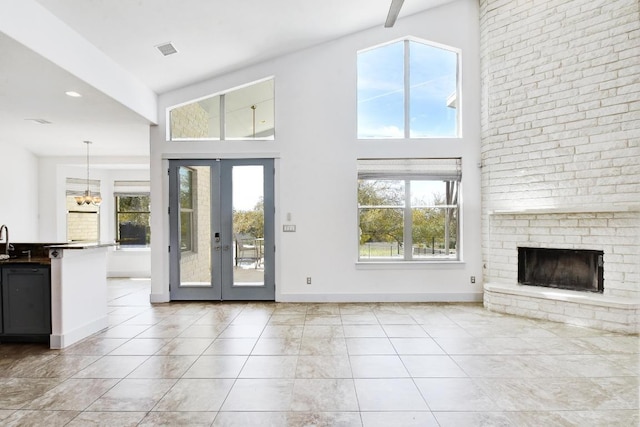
column 69, row 289
column 78, row 291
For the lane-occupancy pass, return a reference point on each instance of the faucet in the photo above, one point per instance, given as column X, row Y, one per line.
column 6, row 238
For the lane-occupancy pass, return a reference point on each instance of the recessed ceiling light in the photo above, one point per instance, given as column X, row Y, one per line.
column 41, row 121
column 166, row 49
column 73, row 94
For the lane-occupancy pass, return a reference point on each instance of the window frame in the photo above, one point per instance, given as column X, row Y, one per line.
column 75, row 214
column 407, row 40
column 117, row 215
column 408, row 208
column 222, row 115
column 191, row 212
column 77, row 187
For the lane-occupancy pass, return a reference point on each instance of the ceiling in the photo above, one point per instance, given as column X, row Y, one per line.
column 212, row 37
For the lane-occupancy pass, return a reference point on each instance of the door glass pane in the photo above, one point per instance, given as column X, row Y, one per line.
column 248, row 225
column 195, row 226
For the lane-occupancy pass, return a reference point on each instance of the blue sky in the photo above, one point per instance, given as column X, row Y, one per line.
column 433, row 74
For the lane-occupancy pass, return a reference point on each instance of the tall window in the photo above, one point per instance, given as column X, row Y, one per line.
column 407, row 89
column 83, row 221
column 187, row 209
column 408, row 209
column 246, row 113
column 133, row 213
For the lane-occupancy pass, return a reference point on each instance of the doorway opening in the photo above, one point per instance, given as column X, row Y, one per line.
column 221, row 229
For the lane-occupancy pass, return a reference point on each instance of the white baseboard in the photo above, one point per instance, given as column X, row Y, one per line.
column 386, row 297
column 127, row 274
column 159, row 298
column 72, row 337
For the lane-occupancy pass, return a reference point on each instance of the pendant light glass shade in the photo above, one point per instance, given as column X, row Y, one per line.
column 87, row 198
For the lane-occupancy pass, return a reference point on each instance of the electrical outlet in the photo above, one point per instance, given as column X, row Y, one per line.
column 473, row 279
column 308, row 280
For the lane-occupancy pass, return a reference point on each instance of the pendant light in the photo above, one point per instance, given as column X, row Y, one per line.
column 88, row 199
column 253, row 113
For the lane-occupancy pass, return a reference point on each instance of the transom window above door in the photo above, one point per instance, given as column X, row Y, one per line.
column 408, row 89
column 245, row 113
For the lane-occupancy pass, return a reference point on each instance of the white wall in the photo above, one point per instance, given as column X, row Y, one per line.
column 19, row 193
column 52, row 183
column 124, row 262
column 51, row 190
column 53, row 172
column 316, row 148
column 129, row 262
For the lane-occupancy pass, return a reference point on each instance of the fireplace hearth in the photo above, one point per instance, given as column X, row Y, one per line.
column 578, row 270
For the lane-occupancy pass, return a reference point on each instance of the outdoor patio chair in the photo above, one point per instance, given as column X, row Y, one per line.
column 247, row 249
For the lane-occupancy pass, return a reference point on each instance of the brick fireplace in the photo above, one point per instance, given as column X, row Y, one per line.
column 613, row 233
column 560, row 152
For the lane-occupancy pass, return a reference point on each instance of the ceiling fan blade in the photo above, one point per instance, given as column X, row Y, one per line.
column 394, row 10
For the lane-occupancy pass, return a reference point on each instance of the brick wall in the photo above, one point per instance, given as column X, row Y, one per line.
column 561, row 102
column 561, row 130
column 83, row 222
column 614, row 233
column 190, row 121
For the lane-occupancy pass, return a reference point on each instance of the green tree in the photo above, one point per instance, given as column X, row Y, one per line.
column 438, row 224
column 428, row 224
column 381, row 224
column 250, row 222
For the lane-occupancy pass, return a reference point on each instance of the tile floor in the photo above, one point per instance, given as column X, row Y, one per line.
column 271, row 364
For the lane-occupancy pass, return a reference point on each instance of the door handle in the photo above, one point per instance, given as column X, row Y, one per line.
column 217, row 248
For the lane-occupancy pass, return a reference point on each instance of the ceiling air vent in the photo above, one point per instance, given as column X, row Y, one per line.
column 166, row 49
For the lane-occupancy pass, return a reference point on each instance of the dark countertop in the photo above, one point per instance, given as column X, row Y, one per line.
column 27, row 253
column 38, row 253
column 82, row 245
column 26, row 260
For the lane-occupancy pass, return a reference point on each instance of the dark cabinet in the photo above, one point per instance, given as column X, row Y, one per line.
column 26, row 300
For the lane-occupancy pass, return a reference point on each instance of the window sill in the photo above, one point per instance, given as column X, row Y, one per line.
column 410, row 265
column 133, row 249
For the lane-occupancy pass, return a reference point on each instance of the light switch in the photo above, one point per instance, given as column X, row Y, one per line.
column 289, row 228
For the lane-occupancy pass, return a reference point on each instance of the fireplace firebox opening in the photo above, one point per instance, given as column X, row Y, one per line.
column 574, row 269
